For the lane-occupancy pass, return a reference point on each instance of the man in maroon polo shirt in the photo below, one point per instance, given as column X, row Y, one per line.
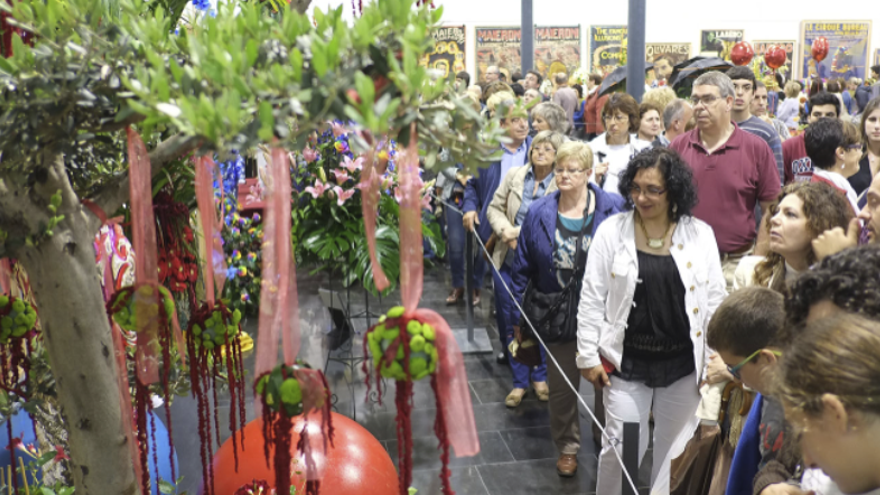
column 797, row 165
column 733, row 170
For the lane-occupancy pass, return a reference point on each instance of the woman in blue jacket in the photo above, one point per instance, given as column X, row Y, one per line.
column 545, row 256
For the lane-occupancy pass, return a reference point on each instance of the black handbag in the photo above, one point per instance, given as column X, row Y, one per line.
column 554, row 315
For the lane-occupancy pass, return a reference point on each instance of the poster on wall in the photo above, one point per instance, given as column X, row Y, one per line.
column 786, row 71
column 666, row 55
column 606, row 44
column 847, row 49
column 876, row 57
column 719, row 42
column 448, row 53
column 499, row 46
column 557, row 49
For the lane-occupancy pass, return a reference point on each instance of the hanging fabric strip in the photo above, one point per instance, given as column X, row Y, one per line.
column 214, row 261
column 453, row 388
column 369, row 187
column 411, row 255
column 5, row 276
column 143, row 228
column 278, row 308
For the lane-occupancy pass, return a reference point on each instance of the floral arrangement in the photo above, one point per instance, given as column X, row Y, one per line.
column 391, row 347
column 178, row 255
column 212, row 344
column 328, row 229
column 242, row 237
column 286, row 392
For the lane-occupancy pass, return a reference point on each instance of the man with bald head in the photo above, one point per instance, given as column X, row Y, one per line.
column 492, row 73
column 676, row 117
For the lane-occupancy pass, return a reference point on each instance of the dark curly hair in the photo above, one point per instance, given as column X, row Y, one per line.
column 680, row 188
column 849, row 279
column 824, row 208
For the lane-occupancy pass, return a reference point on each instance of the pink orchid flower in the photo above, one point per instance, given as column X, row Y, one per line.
column 426, row 202
column 352, row 165
column 341, row 176
column 310, row 155
column 342, row 195
column 319, row 189
column 256, row 194
column 338, row 129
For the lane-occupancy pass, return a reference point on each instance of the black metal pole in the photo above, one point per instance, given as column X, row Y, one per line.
column 527, row 33
column 630, row 456
column 635, row 51
column 469, row 282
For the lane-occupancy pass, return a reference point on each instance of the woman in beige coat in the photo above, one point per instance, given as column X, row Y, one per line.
column 517, row 191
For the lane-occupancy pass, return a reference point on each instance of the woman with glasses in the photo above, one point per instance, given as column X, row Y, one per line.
column 548, row 257
column 803, row 211
column 613, row 149
column 653, row 281
column 519, row 189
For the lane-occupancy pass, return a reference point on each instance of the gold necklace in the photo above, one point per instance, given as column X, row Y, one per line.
column 654, row 243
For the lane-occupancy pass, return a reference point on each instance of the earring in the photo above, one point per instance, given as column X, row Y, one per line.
column 674, row 208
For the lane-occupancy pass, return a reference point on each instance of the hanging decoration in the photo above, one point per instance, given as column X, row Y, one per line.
column 213, row 334
column 742, row 53
column 411, row 344
column 147, row 308
column 285, row 389
column 178, row 253
column 18, row 330
column 286, row 392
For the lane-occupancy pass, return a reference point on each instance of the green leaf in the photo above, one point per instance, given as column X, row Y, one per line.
column 267, row 121
column 166, row 488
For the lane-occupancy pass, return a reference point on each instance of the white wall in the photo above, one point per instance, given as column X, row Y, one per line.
column 668, row 21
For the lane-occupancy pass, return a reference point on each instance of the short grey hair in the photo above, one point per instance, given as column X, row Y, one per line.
column 553, row 114
column 717, row 79
column 534, row 92
column 673, row 112
column 561, row 78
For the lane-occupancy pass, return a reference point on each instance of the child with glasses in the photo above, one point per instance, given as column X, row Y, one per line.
column 744, row 332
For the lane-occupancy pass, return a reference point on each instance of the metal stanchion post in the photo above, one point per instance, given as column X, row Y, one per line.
column 471, row 340
column 630, row 456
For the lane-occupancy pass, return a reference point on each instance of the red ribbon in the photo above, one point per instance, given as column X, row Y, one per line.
column 143, row 228
column 214, row 264
column 5, row 275
column 279, row 315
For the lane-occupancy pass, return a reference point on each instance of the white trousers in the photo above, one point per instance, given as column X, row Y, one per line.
column 675, row 420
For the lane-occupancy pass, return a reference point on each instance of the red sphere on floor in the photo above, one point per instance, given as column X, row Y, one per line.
column 357, row 463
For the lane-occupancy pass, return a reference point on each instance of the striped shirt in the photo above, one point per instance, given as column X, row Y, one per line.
column 756, row 126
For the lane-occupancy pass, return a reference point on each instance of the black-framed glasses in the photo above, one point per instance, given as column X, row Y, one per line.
column 734, row 370
column 650, row 191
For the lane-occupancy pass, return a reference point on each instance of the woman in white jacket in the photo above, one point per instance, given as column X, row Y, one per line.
column 652, row 282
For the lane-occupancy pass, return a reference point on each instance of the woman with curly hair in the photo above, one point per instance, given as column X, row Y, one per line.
column 652, row 282
column 803, row 211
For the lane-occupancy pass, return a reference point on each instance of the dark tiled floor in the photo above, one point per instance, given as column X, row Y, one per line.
column 517, row 454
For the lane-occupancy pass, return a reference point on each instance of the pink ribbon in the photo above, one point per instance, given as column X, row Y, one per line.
column 454, row 393
column 279, row 315
column 369, row 187
column 215, row 261
column 452, row 387
column 315, row 406
column 143, row 228
column 5, row 277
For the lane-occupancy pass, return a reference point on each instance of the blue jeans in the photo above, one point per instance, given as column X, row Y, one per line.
column 455, row 249
column 503, row 309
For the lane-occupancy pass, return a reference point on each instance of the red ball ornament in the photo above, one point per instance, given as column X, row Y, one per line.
column 819, row 49
column 356, row 463
column 775, row 57
column 742, row 53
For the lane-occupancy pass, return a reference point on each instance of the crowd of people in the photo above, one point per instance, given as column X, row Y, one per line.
column 674, row 250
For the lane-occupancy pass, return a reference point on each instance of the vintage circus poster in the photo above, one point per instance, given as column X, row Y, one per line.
column 719, row 42
column 665, row 56
column 606, row 47
column 499, row 46
column 557, row 49
column 848, row 52
column 448, row 53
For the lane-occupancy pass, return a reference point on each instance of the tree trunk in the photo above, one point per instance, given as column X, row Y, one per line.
column 76, row 333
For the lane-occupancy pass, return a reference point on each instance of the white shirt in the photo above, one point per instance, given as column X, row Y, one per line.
column 840, row 182
column 617, row 156
column 610, row 283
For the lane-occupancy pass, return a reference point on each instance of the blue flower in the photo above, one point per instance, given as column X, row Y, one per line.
column 202, row 4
